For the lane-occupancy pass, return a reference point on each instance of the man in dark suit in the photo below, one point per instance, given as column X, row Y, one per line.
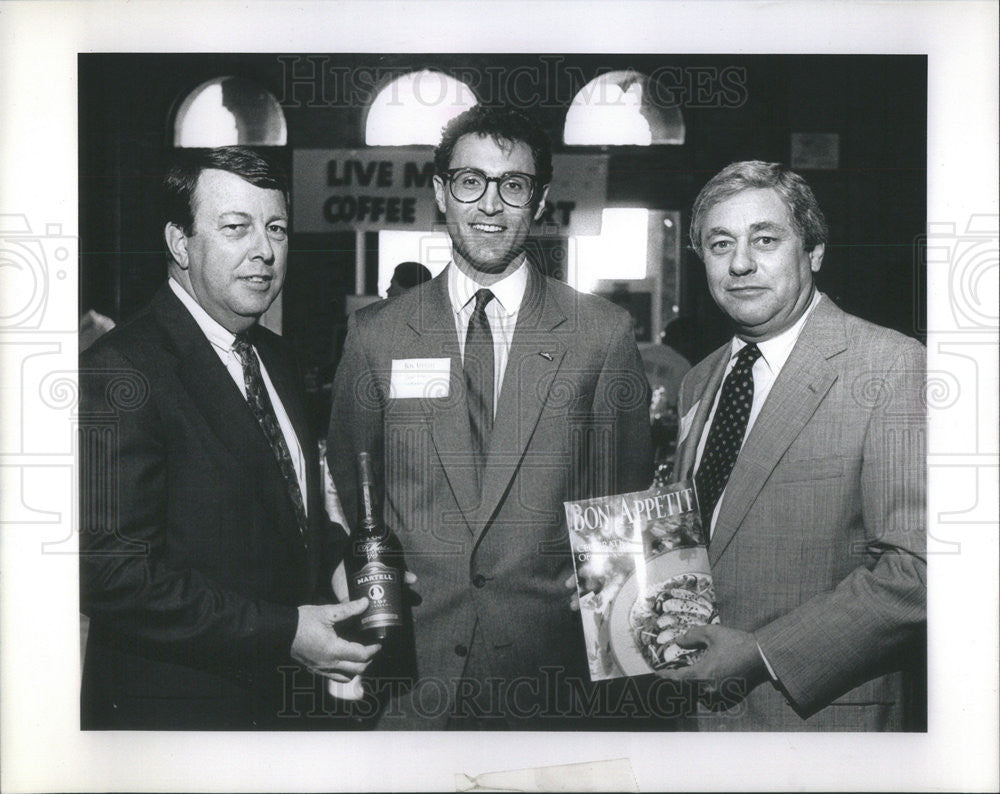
column 487, row 397
column 205, row 551
column 805, row 435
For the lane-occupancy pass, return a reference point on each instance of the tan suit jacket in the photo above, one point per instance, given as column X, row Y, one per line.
column 819, row 546
column 572, row 420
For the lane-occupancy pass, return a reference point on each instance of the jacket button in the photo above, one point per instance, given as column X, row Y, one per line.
column 479, row 580
column 461, row 650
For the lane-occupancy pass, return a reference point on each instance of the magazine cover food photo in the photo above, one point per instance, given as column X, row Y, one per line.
column 643, row 578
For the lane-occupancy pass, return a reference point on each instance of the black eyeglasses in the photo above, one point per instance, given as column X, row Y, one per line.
column 470, row 184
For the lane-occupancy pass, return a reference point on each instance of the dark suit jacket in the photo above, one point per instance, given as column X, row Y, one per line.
column 819, row 546
column 572, row 421
column 192, row 564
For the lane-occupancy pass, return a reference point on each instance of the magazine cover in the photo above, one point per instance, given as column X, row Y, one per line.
column 643, row 578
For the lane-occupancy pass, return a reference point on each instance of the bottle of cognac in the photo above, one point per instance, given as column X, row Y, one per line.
column 371, row 572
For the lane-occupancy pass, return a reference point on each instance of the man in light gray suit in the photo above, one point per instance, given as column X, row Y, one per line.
column 487, row 397
column 806, row 437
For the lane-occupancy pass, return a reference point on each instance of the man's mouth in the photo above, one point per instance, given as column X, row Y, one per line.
column 488, row 228
column 256, row 280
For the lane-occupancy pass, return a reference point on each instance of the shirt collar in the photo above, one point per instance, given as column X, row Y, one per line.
column 508, row 292
column 217, row 335
column 776, row 350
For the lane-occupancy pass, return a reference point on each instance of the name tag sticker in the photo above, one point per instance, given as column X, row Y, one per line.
column 420, row 378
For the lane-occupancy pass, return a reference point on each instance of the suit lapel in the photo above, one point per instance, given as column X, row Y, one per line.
column 448, row 417
column 801, row 386
column 214, row 395
column 704, row 395
column 285, row 381
column 532, row 369
column 284, row 378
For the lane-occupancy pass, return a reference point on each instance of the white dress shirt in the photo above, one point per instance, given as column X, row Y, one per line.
column 501, row 312
column 222, row 343
column 774, row 353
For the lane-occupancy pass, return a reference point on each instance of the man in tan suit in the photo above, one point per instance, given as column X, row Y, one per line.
column 805, row 435
column 487, row 397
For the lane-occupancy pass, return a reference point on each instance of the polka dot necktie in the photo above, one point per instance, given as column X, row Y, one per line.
column 263, row 411
column 478, row 368
column 726, row 434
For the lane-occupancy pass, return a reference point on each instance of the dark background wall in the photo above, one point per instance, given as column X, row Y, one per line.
column 735, row 108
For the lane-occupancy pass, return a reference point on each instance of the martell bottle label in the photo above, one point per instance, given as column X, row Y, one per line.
column 380, row 584
column 373, row 577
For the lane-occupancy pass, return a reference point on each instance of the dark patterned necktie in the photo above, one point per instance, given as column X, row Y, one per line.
column 726, row 434
column 263, row 411
column 478, row 369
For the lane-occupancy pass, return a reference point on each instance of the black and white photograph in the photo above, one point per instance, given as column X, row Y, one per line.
column 335, row 342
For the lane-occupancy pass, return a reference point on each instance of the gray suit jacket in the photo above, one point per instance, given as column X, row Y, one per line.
column 820, row 539
column 572, row 421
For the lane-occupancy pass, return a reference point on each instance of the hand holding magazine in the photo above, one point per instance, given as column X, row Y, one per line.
column 642, row 576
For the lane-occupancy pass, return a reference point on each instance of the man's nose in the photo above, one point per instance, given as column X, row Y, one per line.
column 262, row 248
column 742, row 261
column 490, row 202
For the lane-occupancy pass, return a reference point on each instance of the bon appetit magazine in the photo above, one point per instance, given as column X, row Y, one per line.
column 643, row 578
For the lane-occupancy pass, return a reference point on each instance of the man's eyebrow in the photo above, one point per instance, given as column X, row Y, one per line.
column 719, row 230
column 767, row 226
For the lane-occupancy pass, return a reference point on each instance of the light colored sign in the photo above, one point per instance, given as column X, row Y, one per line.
column 390, row 187
column 383, row 187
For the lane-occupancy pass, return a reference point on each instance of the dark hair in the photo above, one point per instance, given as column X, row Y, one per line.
column 410, row 274
column 182, row 177
column 506, row 126
column 807, row 217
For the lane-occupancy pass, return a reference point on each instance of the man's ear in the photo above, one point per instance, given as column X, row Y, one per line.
column 540, row 210
column 816, row 257
column 439, row 191
column 176, row 244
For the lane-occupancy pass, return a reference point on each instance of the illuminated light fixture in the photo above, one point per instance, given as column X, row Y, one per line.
column 412, row 109
column 618, row 253
column 619, row 109
column 230, row 110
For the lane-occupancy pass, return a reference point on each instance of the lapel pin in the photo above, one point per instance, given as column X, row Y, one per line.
column 546, row 356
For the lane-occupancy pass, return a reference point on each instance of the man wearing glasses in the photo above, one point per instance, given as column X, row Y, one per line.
column 488, row 396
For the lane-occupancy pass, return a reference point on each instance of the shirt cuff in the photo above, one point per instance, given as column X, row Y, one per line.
column 767, row 664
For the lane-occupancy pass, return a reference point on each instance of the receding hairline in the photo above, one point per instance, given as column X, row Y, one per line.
column 804, row 212
column 195, row 196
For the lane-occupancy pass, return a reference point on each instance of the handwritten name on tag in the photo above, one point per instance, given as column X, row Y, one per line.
column 420, row 378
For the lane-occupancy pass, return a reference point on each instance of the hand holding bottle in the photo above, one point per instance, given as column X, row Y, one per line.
column 319, row 647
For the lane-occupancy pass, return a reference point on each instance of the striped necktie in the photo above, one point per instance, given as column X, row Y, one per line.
column 263, row 411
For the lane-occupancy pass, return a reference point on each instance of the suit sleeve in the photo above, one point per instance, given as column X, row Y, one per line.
column 869, row 622
column 355, row 421
column 126, row 581
column 623, row 394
